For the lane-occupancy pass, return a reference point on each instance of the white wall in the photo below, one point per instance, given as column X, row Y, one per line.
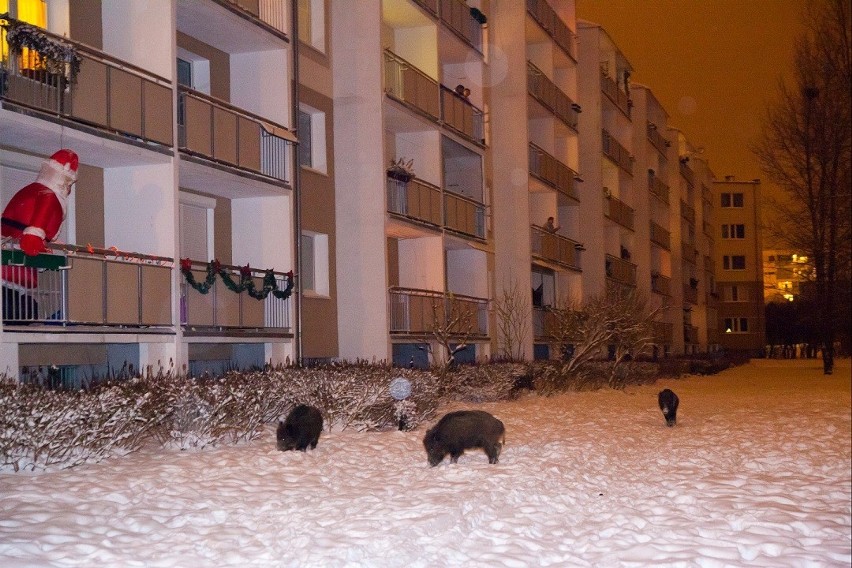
column 421, row 263
column 262, row 232
column 467, row 271
column 259, row 83
column 140, row 32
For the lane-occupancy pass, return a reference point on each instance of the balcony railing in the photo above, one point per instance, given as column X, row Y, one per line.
column 555, row 248
column 708, row 229
column 553, row 172
column 687, row 173
column 613, row 150
column 688, row 252
column 690, row 334
column 552, row 97
column 661, row 284
column 620, row 270
column 456, row 15
column 687, row 212
column 415, row 199
column 657, row 140
column 713, row 336
column 414, row 312
column 618, row 211
column 108, row 93
column 545, row 323
column 430, row 6
column 708, row 264
column 218, row 131
column 618, row 97
column 85, row 286
column 464, row 215
column 222, row 310
column 408, row 84
column 706, row 194
column 663, row 332
column 660, row 236
column 271, row 13
column 458, row 113
column 658, row 188
column 551, row 23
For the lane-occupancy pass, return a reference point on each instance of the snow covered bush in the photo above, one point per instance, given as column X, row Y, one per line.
column 42, row 428
column 485, row 383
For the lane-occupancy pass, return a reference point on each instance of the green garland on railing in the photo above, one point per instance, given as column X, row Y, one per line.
column 56, row 53
column 245, row 283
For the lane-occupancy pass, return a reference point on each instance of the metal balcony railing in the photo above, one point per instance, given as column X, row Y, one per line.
column 430, row 6
column 270, row 12
column 687, row 173
column 690, row 294
column 551, row 23
column 222, row 310
column 415, row 199
column 620, row 270
column 408, row 84
column 545, row 323
column 661, row 284
column 552, row 97
column 657, row 140
column 687, row 212
column 688, row 252
column 553, row 172
column 613, row 150
column 455, row 14
column 658, row 188
column 660, row 236
column 107, row 93
column 414, row 312
column 618, row 97
column 663, row 332
column 690, row 334
column 618, row 211
column 459, row 114
column 464, row 215
column 218, row 131
column 85, row 286
column 555, row 248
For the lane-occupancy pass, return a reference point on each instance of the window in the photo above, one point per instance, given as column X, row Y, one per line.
column 312, row 23
column 314, row 260
column 184, row 72
column 193, row 71
column 736, row 262
column 733, row 231
column 29, row 11
column 196, row 226
column 736, row 294
column 732, row 200
column 736, row 325
column 311, row 132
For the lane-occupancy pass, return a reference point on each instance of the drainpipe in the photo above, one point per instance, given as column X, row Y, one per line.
column 297, row 187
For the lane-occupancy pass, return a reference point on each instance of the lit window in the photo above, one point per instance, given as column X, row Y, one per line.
column 311, row 132
column 314, row 260
column 312, row 23
column 736, row 325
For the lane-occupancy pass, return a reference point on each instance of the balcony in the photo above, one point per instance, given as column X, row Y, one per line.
column 618, row 211
column 687, row 212
column 551, row 23
column 89, row 289
column 690, row 334
column 222, row 311
column 708, row 229
column 545, row 324
column 464, row 215
column 708, row 264
column 690, row 294
column 554, row 173
column 217, row 131
column 273, row 14
column 552, row 97
column 459, row 114
column 706, row 195
column 687, row 173
column 660, row 236
column 108, row 94
column 430, row 6
column 661, row 284
column 618, row 97
column 613, row 150
column 688, row 253
column 411, row 86
column 657, row 140
column 620, row 270
column 663, row 332
column 555, row 248
column 416, row 200
column 658, row 188
column 456, row 15
column 415, row 312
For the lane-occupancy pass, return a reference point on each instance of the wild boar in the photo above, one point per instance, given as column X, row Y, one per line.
column 668, row 404
column 301, row 429
column 463, row 429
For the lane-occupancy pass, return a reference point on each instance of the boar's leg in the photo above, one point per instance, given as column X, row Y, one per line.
column 493, row 451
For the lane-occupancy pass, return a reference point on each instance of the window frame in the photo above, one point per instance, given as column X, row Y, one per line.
column 314, row 271
column 316, row 139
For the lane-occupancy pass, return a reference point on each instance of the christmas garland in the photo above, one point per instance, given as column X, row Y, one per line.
column 56, row 53
column 245, row 283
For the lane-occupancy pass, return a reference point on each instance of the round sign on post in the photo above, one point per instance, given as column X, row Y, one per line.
column 400, row 388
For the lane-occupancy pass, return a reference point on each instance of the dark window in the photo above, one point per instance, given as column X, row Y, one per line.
column 305, row 150
column 184, row 73
column 726, row 200
column 737, row 199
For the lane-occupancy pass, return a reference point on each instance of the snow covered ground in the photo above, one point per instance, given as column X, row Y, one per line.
column 756, row 473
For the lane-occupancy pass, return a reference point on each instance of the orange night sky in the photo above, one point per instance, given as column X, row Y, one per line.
column 713, row 64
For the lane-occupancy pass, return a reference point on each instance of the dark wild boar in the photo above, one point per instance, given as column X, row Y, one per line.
column 668, row 404
column 461, row 430
column 301, row 429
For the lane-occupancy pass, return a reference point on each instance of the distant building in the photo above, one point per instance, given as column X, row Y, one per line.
column 784, row 272
column 739, row 265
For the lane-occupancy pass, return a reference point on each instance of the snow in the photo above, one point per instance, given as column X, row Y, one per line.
column 756, row 472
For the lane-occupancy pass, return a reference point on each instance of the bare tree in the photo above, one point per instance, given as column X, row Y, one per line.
column 511, row 312
column 452, row 327
column 805, row 148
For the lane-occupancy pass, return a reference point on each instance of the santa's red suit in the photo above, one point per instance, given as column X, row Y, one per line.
column 36, row 212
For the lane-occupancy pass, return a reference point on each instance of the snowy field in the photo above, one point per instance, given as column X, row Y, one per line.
column 756, row 473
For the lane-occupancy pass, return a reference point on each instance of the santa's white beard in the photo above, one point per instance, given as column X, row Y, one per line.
column 58, row 180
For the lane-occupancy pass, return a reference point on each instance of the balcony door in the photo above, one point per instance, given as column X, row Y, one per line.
column 196, row 227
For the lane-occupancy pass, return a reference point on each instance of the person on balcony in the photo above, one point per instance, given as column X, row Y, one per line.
column 550, row 227
column 34, row 216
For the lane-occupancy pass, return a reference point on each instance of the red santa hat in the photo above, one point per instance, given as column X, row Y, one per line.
column 59, row 173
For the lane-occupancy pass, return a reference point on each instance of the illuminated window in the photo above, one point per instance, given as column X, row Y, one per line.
column 736, row 325
column 29, row 11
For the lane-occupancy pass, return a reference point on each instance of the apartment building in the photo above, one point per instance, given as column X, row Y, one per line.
column 182, row 114
column 739, row 258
